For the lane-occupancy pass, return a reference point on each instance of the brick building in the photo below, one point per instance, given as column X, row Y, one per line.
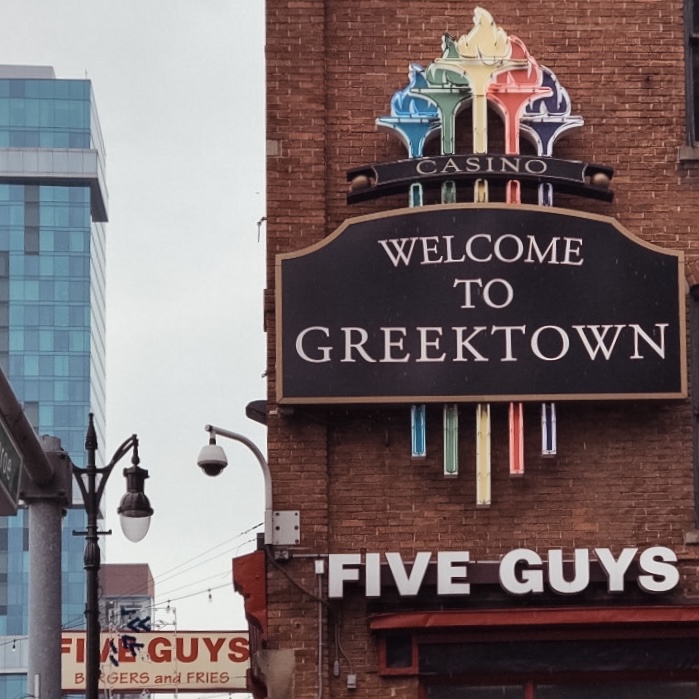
column 526, row 455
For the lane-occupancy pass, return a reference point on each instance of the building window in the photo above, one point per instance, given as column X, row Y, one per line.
column 31, row 410
column 692, row 30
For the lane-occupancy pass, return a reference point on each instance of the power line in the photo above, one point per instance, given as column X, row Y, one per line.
column 213, row 548
column 164, row 577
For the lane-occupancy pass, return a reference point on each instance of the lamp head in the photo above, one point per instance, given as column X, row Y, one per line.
column 135, row 513
column 135, row 509
column 212, row 459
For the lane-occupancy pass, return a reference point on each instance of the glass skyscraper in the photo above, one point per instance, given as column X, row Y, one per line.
column 53, row 204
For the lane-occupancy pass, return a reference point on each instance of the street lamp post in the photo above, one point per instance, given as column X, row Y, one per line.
column 134, row 507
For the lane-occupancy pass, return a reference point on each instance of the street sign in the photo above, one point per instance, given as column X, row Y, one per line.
column 11, row 462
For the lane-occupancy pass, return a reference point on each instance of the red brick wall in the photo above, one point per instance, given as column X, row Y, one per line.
column 623, row 475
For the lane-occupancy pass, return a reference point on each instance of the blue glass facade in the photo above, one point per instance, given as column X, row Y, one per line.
column 52, row 256
column 49, row 113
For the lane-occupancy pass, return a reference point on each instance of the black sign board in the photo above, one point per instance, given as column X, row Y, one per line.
column 480, row 302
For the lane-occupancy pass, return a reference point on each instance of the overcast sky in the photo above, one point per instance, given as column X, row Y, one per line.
column 179, row 86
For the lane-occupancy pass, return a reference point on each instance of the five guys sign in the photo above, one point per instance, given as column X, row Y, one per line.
column 480, row 302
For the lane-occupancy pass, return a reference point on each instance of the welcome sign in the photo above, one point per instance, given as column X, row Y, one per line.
column 480, row 302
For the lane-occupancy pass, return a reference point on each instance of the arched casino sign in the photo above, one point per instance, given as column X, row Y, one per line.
column 472, row 301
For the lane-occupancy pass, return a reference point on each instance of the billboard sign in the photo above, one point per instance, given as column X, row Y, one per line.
column 182, row 661
column 480, row 302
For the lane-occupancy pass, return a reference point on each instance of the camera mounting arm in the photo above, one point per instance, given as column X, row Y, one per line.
column 281, row 527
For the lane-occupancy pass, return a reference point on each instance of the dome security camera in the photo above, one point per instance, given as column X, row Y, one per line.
column 212, row 459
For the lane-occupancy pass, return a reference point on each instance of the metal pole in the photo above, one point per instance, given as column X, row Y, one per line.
column 45, row 504
column 92, row 566
column 92, row 491
column 44, row 653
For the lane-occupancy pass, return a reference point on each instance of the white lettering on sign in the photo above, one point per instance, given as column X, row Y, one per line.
column 548, row 343
column 657, row 562
column 615, row 568
column 487, row 164
column 520, row 572
column 483, row 247
column 516, row 575
column 451, row 566
column 408, row 583
column 506, row 292
column 8, row 465
column 5, row 464
column 344, row 567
